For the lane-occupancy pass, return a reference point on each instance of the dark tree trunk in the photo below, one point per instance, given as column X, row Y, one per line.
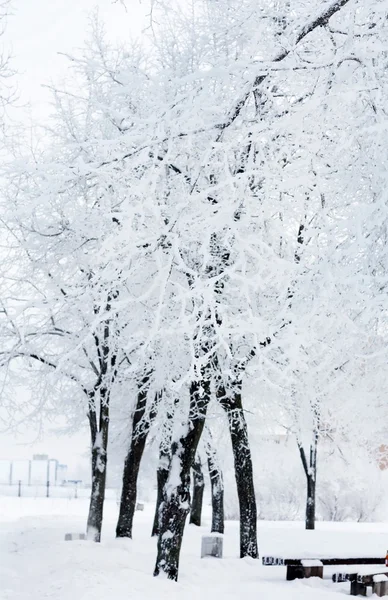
column 162, row 476
column 97, row 496
column 176, row 501
column 310, row 504
column 129, row 487
column 164, row 465
column 99, row 441
column 98, row 401
column 217, row 490
column 140, row 430
column 310, row 469
column 243, row 471
column 198, row 489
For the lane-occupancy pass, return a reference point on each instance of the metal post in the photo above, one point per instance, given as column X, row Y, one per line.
column 10, row 472
column 48, row 489
column 20, row 488
column 76, row 482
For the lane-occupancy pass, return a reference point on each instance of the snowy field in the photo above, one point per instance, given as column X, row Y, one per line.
column 36, row 563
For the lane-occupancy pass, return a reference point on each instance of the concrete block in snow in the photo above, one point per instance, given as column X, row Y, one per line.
column 380, row 585
column 75, row 536
column 212, row 545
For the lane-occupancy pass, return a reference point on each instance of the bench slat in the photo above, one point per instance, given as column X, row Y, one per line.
column 342, row 577
column 272, row 561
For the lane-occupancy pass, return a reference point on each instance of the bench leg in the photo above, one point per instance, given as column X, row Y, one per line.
column 295, row 572
column 380, row 588
column 313, row 572
column 357, row 589
column 300, row 572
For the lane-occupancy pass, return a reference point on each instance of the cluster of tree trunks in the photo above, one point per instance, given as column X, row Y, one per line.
column 178, row 459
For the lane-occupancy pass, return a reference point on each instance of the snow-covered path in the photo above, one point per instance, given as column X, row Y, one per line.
column 36, row 563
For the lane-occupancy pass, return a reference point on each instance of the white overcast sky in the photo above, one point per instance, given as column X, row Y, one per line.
column 37, row 31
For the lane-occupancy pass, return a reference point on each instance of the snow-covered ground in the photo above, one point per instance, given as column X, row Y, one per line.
column 36, row 563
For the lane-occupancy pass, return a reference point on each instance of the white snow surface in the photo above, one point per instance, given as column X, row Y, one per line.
column 378, row 578
column 311, row 563
column 36, row 562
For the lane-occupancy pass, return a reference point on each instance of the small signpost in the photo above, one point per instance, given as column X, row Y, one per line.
column 76, row 482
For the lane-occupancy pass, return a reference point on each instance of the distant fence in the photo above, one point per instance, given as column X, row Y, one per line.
column 70, row 491
column 37, row 471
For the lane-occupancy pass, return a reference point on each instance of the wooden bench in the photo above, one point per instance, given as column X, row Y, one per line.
column 301, row 568
column 378, row 581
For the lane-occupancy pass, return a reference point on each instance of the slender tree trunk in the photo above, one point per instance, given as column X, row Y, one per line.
column 198, row 489
column 176, row 498
column 99, row 430
column 99, row 440
column 217, row 491
column 243, row 471
column 129, row 487
column 97, row 496
column 139, row 435
column 162, row 476
column 310, row 503
column 310, row 469
column 164, row 464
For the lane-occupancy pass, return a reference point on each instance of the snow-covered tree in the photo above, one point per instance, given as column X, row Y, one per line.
column 204, row 217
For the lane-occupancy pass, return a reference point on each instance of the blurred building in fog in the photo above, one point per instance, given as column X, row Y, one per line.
column 37, row 471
